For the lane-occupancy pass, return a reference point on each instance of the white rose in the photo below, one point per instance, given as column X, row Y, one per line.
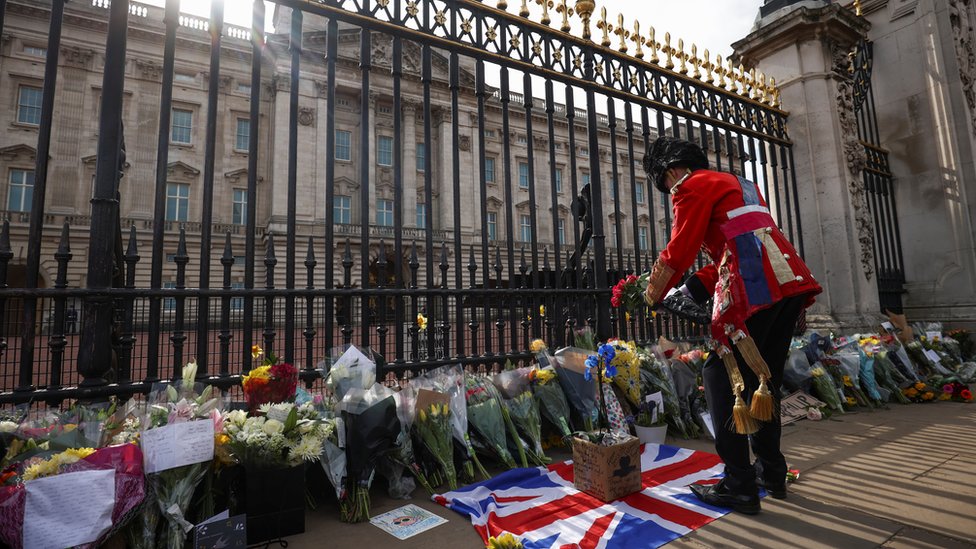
column 237, row 417
column 273, row 427
column 7, row 426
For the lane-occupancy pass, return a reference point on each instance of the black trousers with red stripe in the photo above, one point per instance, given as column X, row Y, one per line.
column 772, row 330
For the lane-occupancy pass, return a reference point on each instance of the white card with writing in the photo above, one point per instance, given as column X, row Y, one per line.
column 887, row 326
column 933, row 356
column 350, row 358
column 707, row 420
column 659, row 399
column 932, row 336
column 68, row 509
column 176, row 445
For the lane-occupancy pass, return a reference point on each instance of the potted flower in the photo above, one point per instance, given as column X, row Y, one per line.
column 606, row 463
column 649, row 423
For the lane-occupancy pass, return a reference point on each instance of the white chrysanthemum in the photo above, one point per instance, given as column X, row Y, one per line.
column 308, row 449
column 7, row 426
column 252, row 423
column 306, row 426
column 265, row 408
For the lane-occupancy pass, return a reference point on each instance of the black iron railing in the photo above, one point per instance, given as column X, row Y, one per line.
column 482, row 262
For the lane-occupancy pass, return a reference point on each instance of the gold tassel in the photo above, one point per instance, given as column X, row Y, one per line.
column 763, row 406
column 743, row 423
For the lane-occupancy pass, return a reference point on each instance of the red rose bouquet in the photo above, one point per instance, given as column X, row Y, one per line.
column 629, row 292
column 269, row 383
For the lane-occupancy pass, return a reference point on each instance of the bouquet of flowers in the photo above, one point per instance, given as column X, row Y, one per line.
column 172, row 405
column 273, row 381
column 627, row 363
column 450, row 380
column 402, row 456
column 964, row 339
column 552, row 401
column 889, row 378
column 629, row 292
column 869, row 347
column 921, row 392
column 433, row 428
column 580, row 392
column 372, row 428
column 486, row 419
column 954, row 390
column 824, row 388
column 600, row 367
column 515, row 387
column 283, row 435
column 53, row 469
column 656, row 376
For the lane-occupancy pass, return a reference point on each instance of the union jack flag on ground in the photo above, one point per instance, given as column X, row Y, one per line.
column 543, row 508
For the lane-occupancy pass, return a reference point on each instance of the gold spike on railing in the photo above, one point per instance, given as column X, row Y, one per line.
column 651, row 43
column 566, row 12
column 669, row 64
column 763, row 89
column 730, row 72
column 707, row 65
column 622, row 33
column 524, row 10
column 502, row 5
column 857, row 8
column 774, row 97
column 585, row 10
column 720, row 70
column 605, row 27
column 546, row 4
column 683, row 57
column 695, row 61
column 638, row 41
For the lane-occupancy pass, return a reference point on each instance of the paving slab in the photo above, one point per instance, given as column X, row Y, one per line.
column 910, row 538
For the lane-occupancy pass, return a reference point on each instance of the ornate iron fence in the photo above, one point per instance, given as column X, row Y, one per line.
column 879, row 184
column 498, row 112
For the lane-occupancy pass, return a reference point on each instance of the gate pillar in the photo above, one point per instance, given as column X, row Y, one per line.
column 805, row 47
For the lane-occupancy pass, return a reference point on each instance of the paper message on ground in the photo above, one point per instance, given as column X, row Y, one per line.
column 407, row 521
column 68, row 509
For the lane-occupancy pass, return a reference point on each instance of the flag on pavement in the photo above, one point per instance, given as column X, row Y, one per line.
column 542, row 507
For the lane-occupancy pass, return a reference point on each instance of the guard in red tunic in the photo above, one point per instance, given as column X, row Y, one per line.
column 759, row 286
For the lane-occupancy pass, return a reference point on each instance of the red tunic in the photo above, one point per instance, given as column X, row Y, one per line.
column 753, row 264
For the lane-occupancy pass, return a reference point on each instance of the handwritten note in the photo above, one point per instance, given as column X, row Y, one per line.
column 933, row 356
column 177, row 445
column 68, row 509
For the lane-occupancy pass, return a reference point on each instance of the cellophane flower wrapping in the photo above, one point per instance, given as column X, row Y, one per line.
column 169, row 404
column 580, row 393
column 515, row 443
column 130, row 490
column 825, row 389
column 552, row 402
column 433, row 429
column 486, row 420
column 515, row 389
column 450, row 380
column 372, row 428
column 656, row 376
column 402, row 458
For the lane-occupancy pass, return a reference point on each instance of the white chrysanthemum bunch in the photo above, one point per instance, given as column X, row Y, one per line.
column 284, row 435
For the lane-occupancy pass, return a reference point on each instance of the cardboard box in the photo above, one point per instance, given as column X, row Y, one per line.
column 607, row 472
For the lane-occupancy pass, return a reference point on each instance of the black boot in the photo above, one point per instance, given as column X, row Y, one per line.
column 720, row 496
column 776, row 490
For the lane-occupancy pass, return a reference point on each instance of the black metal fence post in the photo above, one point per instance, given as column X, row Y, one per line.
column 95, row 350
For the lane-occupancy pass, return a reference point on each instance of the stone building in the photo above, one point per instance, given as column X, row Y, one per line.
column 74, row 137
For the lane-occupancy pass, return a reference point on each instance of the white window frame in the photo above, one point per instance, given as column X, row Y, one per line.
column 343, row 145
column 174, row 127
column 179, row 198
column 384, row 212
column 28, row 112
column 26, row 191
column 342, row 208
column 384, row 154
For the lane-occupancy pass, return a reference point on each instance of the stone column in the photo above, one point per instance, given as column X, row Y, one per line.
column 805, row 47
column 410, row 183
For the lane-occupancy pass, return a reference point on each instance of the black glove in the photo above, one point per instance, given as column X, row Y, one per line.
column 683, row 306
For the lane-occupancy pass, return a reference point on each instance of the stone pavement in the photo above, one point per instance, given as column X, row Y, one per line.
column 900, row 478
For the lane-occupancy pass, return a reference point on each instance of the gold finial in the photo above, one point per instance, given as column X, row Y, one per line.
column 733, row 79
column 502, row 5
column 605, row 27
column 720, row 70
column 524, row 11
column 763, row 90
column 682, row 56
column 622, row 33
column 651, row 43
column 546, row 4
column 773, row 93
column 750, row 79
column 638, row 41
column 669, row 64
column 567, row 12
column 695, row 61
column 708, row 67
column 857, row 8
column 585, row 10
